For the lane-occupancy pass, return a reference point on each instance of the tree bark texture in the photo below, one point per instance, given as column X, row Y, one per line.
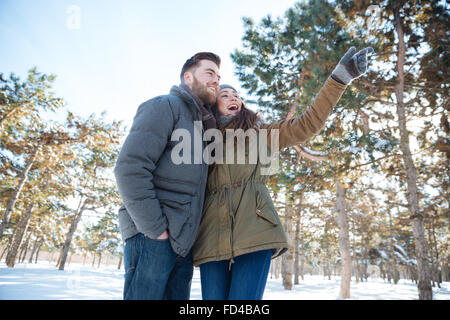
column 69, row 236
column 287, row 259
column 423, row 268
column 12, row 202
column 344, row 243
column 18, row 237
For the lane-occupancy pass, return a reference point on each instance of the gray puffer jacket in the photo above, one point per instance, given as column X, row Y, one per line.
column 157, row 193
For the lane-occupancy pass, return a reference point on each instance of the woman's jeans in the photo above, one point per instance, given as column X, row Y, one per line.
column 245, row 281
column 153, row 271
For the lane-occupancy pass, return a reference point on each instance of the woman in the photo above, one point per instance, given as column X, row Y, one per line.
column 240, row 231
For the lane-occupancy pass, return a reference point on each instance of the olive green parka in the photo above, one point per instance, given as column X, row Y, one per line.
column 238, row 214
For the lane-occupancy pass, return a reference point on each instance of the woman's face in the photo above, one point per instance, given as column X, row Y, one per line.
column 228, row 102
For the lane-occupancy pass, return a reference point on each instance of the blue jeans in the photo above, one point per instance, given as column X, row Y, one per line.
column 245, row 281
column 153, row 271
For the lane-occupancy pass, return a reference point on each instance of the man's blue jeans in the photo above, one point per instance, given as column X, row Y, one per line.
column 153, row 271
column 245, row 281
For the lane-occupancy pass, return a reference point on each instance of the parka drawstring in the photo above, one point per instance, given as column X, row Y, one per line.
column 225, row 195
column 231, row 213
column 225, row 198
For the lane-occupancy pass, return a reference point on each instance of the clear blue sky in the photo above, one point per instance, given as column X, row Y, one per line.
column 113, row 55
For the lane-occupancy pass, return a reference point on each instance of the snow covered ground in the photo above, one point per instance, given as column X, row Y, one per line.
column 44, row 281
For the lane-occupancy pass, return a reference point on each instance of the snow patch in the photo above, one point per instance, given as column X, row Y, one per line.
column 77, row 282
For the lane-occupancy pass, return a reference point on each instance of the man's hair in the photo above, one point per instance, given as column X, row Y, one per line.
column 193, row 62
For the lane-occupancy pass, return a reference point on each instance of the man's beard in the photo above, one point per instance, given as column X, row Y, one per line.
column 203, row 93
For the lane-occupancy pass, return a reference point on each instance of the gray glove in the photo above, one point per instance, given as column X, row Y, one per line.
column 352, row 65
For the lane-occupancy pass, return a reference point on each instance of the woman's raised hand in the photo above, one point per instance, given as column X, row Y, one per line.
column 352, row 65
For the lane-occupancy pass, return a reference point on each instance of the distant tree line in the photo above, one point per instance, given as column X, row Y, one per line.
column 51, row 173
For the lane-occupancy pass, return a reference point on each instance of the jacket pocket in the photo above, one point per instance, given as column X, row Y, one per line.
column 264, row 207
column 177, row 209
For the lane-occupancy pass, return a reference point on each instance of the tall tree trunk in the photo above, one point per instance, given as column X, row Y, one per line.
column 296, row 252
column 391, row 247
column 38, row 251
column 25, row 246
column 344, row 242
column 3, row 252
column 327, row 250
column 327, row 262
column 18, row 237
column 99, row 259
column 37, row 244
column 392, row 259
column 288, row 258
column 12, row 202
column 302, row 252
column 73, row 227
column 366, row 259
column 357, row 269
column 445, row 271
column 6, row 248
column 277, row 269
column 423, row 268
column 434, row 253
column 120, row 262
column 353, row 248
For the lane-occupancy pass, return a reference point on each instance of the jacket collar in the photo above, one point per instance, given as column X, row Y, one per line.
column 203, row 111
column 188, row 98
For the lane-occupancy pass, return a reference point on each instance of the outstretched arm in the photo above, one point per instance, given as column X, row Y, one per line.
column 301, row 129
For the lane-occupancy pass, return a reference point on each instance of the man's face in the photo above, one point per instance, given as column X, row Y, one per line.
column 204, row 81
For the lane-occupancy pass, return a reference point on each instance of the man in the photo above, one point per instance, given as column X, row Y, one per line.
column 163, row 201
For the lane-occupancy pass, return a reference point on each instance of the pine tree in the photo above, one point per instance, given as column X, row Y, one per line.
column 411, row 39
column 283, row 63
column 22, row 131
column 95, row 155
